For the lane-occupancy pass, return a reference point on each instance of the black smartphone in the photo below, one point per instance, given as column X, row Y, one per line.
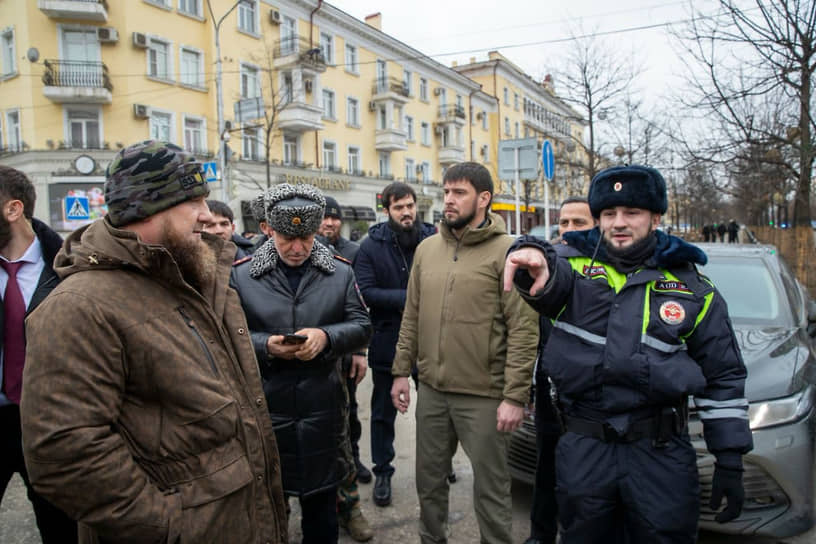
column 294, row 338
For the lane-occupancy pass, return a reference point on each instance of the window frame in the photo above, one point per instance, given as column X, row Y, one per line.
column 171, row 124
column 251, row 144
column 409, row 128
column 329, row 149
column 199, row 74
column 151, row 42
column 328, row 52
column 240, row 13
column 68, row 129
column 197, row 14
column 352, row 65
column 8, row 36
column 246, row 69
column 423, row 89
column 353, row 120
column 354, row 151
column 329, row 115
column 203, row 130
column 425, row 133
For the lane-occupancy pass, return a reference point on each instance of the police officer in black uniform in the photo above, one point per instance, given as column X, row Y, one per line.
column 636, row 331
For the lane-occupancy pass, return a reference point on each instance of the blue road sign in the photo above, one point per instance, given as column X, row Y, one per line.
column 210, row 170
column 77, row 208
column 548, row 160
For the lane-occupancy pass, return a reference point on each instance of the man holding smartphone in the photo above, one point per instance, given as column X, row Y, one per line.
column 294, row 287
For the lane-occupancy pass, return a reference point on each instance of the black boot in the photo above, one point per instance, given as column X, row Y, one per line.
column 363, row 474
column 382, row 490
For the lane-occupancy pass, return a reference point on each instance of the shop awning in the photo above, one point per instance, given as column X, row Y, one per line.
column 364, row 213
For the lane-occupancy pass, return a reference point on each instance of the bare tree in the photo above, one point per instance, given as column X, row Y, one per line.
column 752, row 75
column 595, row 78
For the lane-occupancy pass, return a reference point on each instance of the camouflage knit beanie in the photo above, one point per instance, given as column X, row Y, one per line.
column 146, row 178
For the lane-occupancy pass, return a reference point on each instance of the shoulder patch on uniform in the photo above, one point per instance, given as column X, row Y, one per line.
column 596, row 271
column 242, row 260
column 671, row 285
column 341, row 258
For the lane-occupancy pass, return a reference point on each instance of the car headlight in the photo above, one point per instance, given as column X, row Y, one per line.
column 780, row 411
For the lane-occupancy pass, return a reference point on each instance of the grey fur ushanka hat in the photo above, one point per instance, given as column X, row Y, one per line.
column 633, row 186
column 294, row 210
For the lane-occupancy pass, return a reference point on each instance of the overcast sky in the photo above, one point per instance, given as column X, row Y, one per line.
column 526, row 31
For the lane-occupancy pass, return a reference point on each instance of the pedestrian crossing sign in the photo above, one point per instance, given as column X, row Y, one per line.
column 210, row 170
column 77, row 208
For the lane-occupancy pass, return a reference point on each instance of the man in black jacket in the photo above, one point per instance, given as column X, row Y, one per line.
column 382, row 267
column 304, row 312
column 27, row 251
column 223, row 225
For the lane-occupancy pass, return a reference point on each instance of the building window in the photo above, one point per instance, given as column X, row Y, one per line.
column 506, row 97
column 385, row 164
column 83, row 129
column 327, row 46
column 250, row 83
column 9, row 57
column 354, row 160
column 408, row 81
column 410, row 170
column 329, row 155
column 382, row 118
column 425, row 130
column 328, row 104
column 247, row 16
column 290, row 150
column 160, row 125
column 460, row 103
column 507, row 126
column 287, row 91
column 191, row 68
column 515, row 101
column 351, row 59
column 485, row 153
column 15, row 136
column 158, row 59
column 190, row 7
column 353, row 112
column 161, row 3
column 250, row 144
column 423, row 89
column 194, row 135
column 484, row 120
column 409, row 128
column 425, row 172
column 517, row 129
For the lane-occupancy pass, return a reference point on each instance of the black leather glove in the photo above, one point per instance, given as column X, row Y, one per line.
column 727, row 483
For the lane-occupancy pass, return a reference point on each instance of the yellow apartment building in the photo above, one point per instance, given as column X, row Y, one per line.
column 339, row 103
column 527, row 108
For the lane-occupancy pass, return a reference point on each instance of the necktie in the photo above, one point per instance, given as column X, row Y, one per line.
column 13, row 336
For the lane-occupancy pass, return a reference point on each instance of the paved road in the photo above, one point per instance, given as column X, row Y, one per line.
column 396, row 523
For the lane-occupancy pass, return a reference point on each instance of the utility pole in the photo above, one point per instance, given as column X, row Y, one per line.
column 219, row 97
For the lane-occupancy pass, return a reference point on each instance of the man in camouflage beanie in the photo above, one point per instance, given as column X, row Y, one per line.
column 150, row 346
column 148, row 177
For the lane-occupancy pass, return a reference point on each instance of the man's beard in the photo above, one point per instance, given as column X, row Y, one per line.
column 396, row 226
column 195, row 259
column 461, row 222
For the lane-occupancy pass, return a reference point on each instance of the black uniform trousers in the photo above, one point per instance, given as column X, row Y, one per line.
column 55, row 526
column 627, row 492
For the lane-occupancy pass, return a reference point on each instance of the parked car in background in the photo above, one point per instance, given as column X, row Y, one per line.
column 773, row 319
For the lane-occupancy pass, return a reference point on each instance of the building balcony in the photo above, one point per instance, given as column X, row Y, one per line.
column 451, row 155
column 389, row 88
column 451, row 113
column 296, row 51
column 390, row 139
column 82, row 10
column 77, row 82
column 300, row 117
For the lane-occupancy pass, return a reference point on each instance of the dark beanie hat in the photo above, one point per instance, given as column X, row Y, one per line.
column 633, row 186
column 146, row 178
column 332, row 208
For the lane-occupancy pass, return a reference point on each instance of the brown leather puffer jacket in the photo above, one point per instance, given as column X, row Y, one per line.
column 142, row 409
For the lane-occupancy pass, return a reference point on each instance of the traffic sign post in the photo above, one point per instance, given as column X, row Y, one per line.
column 518, row 158
column 548, row 169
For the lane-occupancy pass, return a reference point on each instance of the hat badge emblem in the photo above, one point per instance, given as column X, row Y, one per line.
column 618, row 186
column 296, row 220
